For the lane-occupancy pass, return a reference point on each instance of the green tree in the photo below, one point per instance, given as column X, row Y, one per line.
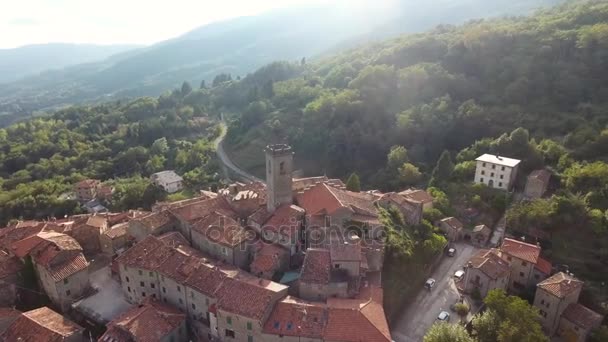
column 443, row 170
column 462, row 309
column 485, row 326
column 397, row 157
column 409, row 174
column 353, row 183
column 446, row 332
column 186, row 88
column 518, row 320
column 160, row 146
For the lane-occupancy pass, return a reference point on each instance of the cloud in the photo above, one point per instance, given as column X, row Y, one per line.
column 24, row 22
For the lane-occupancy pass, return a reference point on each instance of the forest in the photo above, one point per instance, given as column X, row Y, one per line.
column 120, row 142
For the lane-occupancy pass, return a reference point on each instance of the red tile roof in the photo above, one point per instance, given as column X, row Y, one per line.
column 417, row 195
column 267, row 258
column 206, row 279
column 250, row 298
column 521, row 250
column 317, row 266
column 10, row 235
column 490, row 263
column 325, row 199
column 69, row 267
column 221, row 229
column 118, row 230
column 173, row 239
column 296, row 317
column 88, row 183
column 97, row 221
column 544, row 266
column 345, row 251
column 453, row 223
column 149, row 322
column 203, row 208
column 41, row 325
column 156, row 220
column 561, row 284
column 358, row 320
column 286, row 220
column 259, row 216
column 147, row 254
column 582, row 316
column 179, row 266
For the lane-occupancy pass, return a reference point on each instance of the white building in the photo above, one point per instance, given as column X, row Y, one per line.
column 496, row 171
column 168, row 180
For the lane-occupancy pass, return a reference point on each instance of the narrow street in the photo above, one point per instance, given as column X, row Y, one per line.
column 422, row 312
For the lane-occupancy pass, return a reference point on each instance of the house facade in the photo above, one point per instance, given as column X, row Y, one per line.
column 169, row 181
column 577, row 322
column 452, row 227
column 486, row 271
column 537, row 183
column 553, row 296
column 496, row 172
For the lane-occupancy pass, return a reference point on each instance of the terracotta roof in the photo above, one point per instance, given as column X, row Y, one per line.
column 148, row 322
column 317, row 266
column 582, row 316
column 417, row 195
column 68, row 267
column 296, row 317
column 97, row 221
column 206, row 279
column 41, row 325
column 221, row 229
column 118, row 230
column 260, row 216
column 357, row 320
column 544, row 266
column 490, row 263
column 298, row 184
column 173, row 239
column 88, row 183
column 453, row 223
column 542, row 175
column 9, row 266
column 147, row 254
column 345, row 251
column 286, row 220
column 10, row 235
column 203, row 208
column 267, row 258
column 482, row 228
column 251, row 298
column 179, row 266
column 155, row 220
column 325, row 199
column 561, row 284
column 521, row 250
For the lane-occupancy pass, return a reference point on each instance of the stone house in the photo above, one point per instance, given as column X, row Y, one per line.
column 452, row 227
column 481, row 234
column 486, row 271
column 115, row 240
column 42, row 324
column 296, row 320
column 537, row 183
column 269, row 259
column 244, row 304
column 88, row 230
column 411, row 210
column 527, row 267
column 496, row 172
column 61, row 268
column 284, row 226
column 318, row 280
column 577, row 322
column 419, row 196
column 155, row 223
column 553, row 296
column 150, row 321
column 86, row 190
column 347, row 255
column 10, row 277
column 168, row 180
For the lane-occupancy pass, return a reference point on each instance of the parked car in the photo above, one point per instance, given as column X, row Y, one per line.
column 458, row 275
column 451, row 251
column 429, row 283
column 444, row 316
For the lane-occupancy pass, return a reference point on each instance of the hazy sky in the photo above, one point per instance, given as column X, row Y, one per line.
column 119, row 21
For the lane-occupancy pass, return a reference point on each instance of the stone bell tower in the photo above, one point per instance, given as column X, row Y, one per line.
column 279, row 167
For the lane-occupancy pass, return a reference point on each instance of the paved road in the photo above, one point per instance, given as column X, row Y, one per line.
column 422, row 312
column 227, row 163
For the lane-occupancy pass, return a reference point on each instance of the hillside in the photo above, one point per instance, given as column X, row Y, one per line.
column 236, row 46
column 30, row 60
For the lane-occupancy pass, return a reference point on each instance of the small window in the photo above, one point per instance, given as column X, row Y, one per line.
column 65, row 281
column 336, row 265
column 521, row 274
column 154, row 295
column 542, row 301
column 249, row 326
column 523, row 263
column 484, row 164
column 277, row 324
column 548, row 305
column 483, row 172
column 143, row 294
column 68, row 293
column 500, row 184
column 179, row 289
column 181, row 301
column 141, row 283
column 229, row 333
column 127, row 279
column 491, row 174
column 493, row 167
column 151, row 274
column 140, row 272
column 229, row 320
column 502, row 168
column 164, row 290
column 151, row 285
column 289, row 325
column 481, row 179
column 502, row 176
column 193, row 306
column 249, row 338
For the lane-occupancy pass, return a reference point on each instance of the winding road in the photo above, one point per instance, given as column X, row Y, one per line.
column 229, row 167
